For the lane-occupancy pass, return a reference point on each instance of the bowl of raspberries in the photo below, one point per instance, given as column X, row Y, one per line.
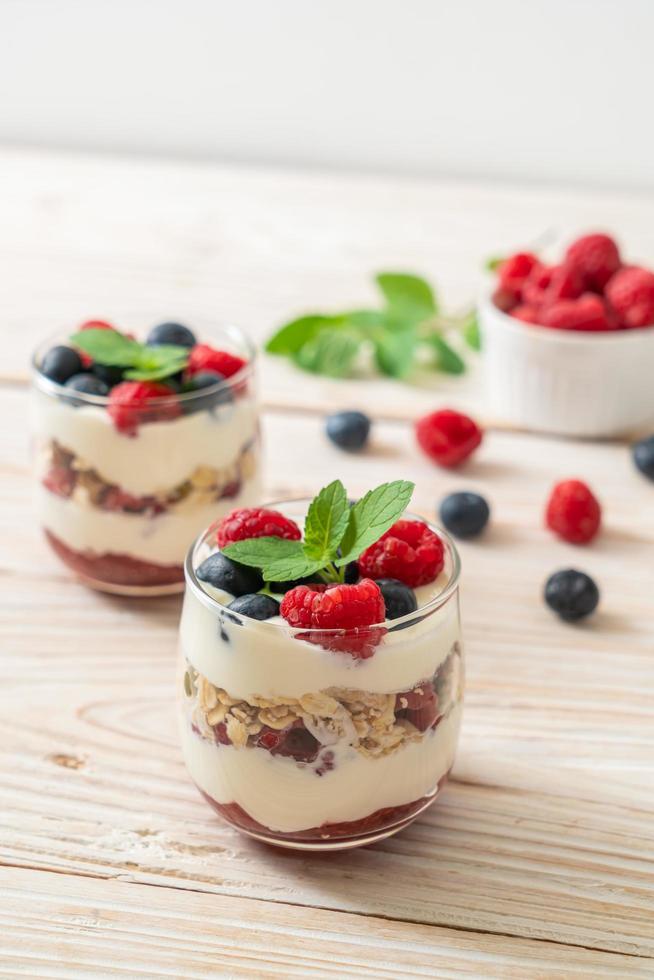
column 569, row 347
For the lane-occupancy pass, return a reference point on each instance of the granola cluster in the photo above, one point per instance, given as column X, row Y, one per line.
column 373, row 724
column 70, row 476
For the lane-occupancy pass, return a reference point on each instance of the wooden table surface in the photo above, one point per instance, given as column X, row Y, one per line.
column 538, row 860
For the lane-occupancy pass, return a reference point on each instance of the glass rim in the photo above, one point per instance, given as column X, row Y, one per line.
column 50, row 387
column 422, row 612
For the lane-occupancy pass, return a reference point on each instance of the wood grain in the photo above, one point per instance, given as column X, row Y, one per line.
column 538, row 861
column 546, row 830
column 113, row 930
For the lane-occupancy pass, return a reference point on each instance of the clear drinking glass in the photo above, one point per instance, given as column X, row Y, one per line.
column 121, row 508
column 319, row 739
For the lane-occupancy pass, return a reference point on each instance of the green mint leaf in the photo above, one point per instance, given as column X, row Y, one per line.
column 447, row 359
column 145, row 363
column 259, row 552
column 291, row 337
column 394, row 352
column 108, row 347
column 366, row 320
column 471, row 333
column 331, row 352
column 326, row 521
column 279, row 560
column 156, row 373
column 492, row 264
column 372, row 516
column 409, row 298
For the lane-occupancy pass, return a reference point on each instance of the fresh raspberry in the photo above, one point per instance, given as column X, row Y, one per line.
column 409, row 552
column 134, row 402
column 536, row 285
column 512, row 272
column 586, row 313
column 334, row 606
column 631, row 294
column 448, row 437
column 350, row 608
column 505, row 301
column 526, row 313
column 595, row 258
column 255, row 522
column 573, row 512
column 205, row 358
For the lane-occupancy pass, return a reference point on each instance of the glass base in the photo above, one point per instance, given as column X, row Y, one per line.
column 119, row 574
column 330, row 837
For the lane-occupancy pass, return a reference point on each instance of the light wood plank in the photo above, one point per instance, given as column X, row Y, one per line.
column 546, row 830
column 64, row 926
column 141, row 241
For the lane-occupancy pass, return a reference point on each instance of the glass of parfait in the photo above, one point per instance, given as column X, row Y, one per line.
column 313, row 736
column 138, row 445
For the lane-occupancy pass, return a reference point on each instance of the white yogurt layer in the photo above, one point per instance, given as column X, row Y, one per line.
column 287, row 796
column 267, row 658
column 163, row 539
column 161, row 455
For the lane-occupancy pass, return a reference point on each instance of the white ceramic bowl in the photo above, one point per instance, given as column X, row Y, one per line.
column 566, row 382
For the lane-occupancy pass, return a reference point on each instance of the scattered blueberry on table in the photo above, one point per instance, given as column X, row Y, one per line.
column 464, row 514
column 348, row 430
column 643, row 456
column 571, row 594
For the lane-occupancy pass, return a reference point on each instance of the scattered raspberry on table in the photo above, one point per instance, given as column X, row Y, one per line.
column 573, row 512
column 448, row 437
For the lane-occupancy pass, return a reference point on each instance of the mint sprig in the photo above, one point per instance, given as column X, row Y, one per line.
column 408, row 330
column 335, row 534
column 142, row 362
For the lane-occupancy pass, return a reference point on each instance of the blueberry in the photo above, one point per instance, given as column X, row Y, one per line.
column 256, row 606
column 88, row 384
column 61, row 363
column 571, row 594
column 464, row 514
column 223, row 573
column 399, row 598
column 349, row 430
column 110, row 374
column 351, row 573
column 171, row 333
column 643, row 454
column 205, row 403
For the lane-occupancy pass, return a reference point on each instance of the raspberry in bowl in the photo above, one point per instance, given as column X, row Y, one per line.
column 568, row 347
column 321, row 710
column 138, row 446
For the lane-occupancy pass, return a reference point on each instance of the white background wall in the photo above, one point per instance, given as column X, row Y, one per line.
column 556, row 90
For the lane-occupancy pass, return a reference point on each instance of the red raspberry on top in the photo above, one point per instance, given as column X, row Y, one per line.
column 409, row 551
column 631, row 294
column 255, row 522
column 595, row 258
column 448, row 437
column 573, row 512
column 205, row 358
column 134, row 402
column 354, row 608
column 586, row 313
